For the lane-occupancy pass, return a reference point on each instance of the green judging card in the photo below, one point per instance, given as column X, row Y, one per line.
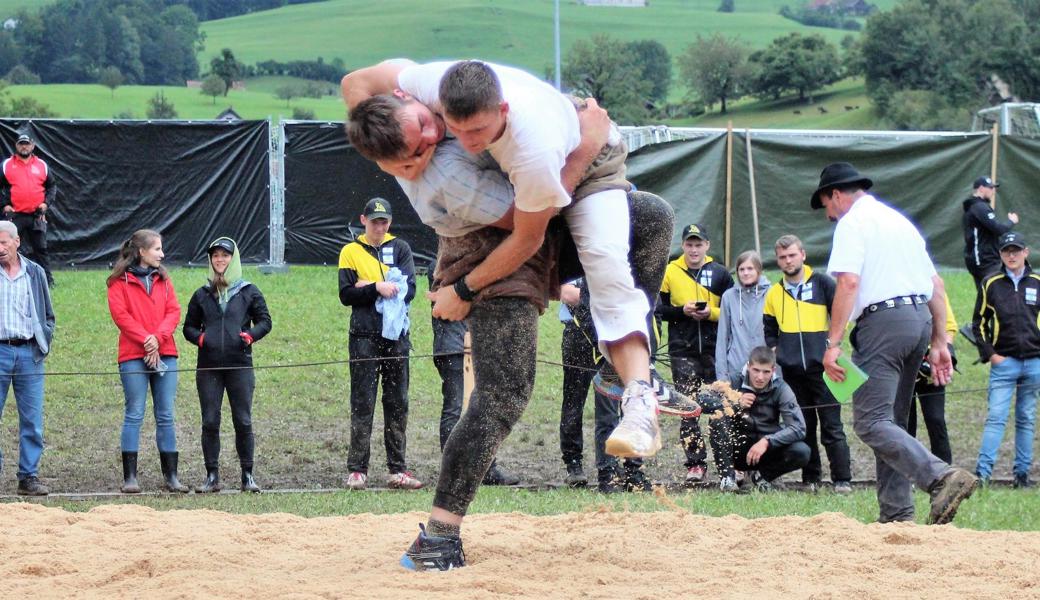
column 854, row 377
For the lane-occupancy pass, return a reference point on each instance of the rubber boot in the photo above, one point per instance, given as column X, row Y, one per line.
column 168, row 463
column 130, row 485
column 248, row 483
column 212, row 484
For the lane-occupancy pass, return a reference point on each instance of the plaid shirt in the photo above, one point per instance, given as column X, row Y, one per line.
column 15, row 300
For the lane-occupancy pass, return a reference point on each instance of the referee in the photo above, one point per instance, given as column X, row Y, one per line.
column 887, row 283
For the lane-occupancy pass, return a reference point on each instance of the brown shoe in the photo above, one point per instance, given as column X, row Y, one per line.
column 947, row 494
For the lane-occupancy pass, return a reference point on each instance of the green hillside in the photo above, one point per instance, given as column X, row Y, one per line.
column 8, row 8
column 520, row 33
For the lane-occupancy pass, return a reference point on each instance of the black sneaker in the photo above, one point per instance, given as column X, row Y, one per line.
column 576, row 476
column 1022, row 481
column 637, row 481
column 31, row 486
column 496, row 475
column 611, row 480
column 431, row 553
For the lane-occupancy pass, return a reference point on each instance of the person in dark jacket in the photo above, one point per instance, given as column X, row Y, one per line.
column 225, row 318
column 982, row 229
column 366, row 267
column 1005, row 325
column 766, row 430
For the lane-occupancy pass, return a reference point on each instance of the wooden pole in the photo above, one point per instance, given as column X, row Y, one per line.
column 729, row 187
column 993, row 164
column 754, row 198
column 468, row 380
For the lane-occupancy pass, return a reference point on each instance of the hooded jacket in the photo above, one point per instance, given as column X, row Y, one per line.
column 687, row 336
column 360, row 260
column 982, row 229
column 740, row 327
column 1007, row 316
column 215, row 320
column 775, row 402
column 798, row 328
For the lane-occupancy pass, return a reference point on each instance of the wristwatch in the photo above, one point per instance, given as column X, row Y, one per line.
column 829, row 344
column 463, row 291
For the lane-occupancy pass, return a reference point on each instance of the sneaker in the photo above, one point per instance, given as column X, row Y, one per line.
column 637, row 481
column 955, row 486
column 695, row 475
column 496, row 475
column 611, row 480
column 764, row 485
column 32, row 486
column 670, row 401
column 728, row 484
column 812, row 487
column 403, row 481
column 432, row 553
column 576, row 476
column 357, row 481
column 842, row 487
column 638, row 434
column 1022, row 481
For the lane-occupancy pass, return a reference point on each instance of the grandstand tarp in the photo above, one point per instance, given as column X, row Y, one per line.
column 327, row 184
column 191, row 181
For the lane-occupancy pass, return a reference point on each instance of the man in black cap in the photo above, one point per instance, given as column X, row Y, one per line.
column 887, row 283
column 982, row 229
column 1005, row 325
column 377, row 268
column 27, row 192
column 691, row 296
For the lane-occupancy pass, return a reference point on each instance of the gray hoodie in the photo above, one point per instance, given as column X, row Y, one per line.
column 740, row 327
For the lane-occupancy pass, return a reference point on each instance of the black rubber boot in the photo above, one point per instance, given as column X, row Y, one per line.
column 248, row 483
column 168, row 463
column 130, row 485
column 212, row 484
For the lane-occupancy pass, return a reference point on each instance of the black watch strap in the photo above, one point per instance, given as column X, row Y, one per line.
column 463, row 291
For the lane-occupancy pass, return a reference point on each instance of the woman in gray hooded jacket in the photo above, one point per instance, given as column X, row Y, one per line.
column 740, row 317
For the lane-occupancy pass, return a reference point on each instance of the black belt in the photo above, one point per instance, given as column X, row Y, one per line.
column 15, row 342
column 895, row 303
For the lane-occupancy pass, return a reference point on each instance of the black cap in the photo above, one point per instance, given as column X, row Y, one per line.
column 223, row 243
column 837, row 174
column 984, row 182
column 1012, row 238
column 695, row 231
column 24, row 138
column 377, row 208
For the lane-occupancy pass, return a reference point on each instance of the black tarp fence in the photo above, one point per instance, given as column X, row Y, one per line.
column 192, row 181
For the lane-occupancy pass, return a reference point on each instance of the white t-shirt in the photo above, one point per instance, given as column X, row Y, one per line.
column 878, row 243
column 541, row 130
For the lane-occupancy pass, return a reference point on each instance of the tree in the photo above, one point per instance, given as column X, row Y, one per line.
column 795, row 62
column 213, row 86
column 19, row 75
column 302, row 114
column 287, row 93
column 607, row 69
column 657, row 66
column 111, row 78
column 726, row 6
column 715, row 68
column 227, row 68
column 160, row 108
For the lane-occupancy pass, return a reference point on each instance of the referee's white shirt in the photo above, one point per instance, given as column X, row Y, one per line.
column 878, row 243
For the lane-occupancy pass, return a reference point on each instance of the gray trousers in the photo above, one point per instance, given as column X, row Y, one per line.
column 889, row 346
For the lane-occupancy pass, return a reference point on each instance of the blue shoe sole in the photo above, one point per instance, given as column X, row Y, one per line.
column 407, row 563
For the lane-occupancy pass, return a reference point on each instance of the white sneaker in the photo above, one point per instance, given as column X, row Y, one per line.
column 637, row 435
column 403, row 481
column 357, row 481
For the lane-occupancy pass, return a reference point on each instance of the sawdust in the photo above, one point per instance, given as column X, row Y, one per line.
column 132, row 551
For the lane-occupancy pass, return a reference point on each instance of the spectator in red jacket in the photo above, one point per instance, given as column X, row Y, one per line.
column 144, row 307
column 27, row 191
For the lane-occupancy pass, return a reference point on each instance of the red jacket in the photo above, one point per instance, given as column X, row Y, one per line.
column 29, row 183
column 138, row 315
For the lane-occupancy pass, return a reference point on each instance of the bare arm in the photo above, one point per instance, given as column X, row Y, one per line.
column 841, row 310
column 370, row 81
column 939, row 354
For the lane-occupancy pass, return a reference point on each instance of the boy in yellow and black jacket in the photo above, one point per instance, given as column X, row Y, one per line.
column 796, row 321
column 367, row 261
column 691, row 295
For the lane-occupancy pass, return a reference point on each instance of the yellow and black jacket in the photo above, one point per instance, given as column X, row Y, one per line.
column 1007, row 316
column 798, row 327
column 686, row 335
column 359, row 260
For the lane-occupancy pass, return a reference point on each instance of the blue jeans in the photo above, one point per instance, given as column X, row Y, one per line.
column 137, row 378
column 19, row 369
column 1004, row 379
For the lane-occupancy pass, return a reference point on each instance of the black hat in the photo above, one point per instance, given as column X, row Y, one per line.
column 695, row 231
column 24, row 138
column 1012, row 238
column 377, row 208
column 984, row 182
column 836, row 174
column 223, row 243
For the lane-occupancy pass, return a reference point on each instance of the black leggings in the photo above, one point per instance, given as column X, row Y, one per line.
column 504, row 332
column 239, row 384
